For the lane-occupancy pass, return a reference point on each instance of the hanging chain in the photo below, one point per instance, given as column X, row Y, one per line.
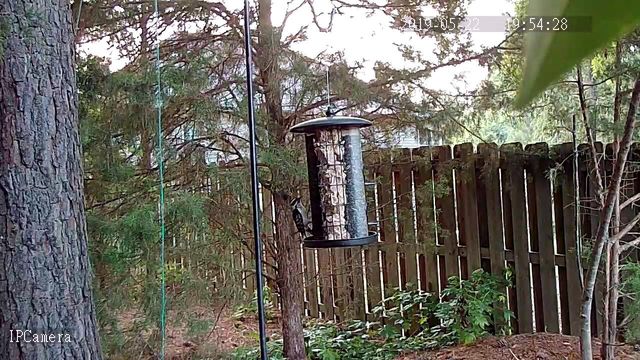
column 330, row 111
column 328, row 89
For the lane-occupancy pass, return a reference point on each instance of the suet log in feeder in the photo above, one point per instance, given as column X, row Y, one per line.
column 336, row 182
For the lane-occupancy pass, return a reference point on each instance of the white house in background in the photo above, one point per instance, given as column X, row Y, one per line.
column 388, row 133
column 409, row 138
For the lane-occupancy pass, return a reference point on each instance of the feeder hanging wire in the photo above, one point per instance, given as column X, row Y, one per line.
column 160, row 155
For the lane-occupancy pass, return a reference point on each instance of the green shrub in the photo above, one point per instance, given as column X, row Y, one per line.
column 406, row 311
column 251, row 309
column 469, row 307
column 411, row 320
column 631, row 289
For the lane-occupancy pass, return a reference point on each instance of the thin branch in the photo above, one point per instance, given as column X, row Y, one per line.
column 289, row 12
column 630, row 201
column 316, row 15
column 628, row 245
column 625, row 230
column 592, row 145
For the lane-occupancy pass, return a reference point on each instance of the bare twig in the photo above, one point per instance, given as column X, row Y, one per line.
column 625, row 230
column 590, row 138
column 628, row 245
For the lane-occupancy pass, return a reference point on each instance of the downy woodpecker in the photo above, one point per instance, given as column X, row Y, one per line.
column 300, row 217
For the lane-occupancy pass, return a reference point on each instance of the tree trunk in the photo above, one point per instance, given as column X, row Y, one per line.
column 288, row 258
column 45, row 275
column 612, row 315
column 289, row 279
column 612, row 273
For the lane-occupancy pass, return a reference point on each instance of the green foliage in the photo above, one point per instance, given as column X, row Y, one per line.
column 411, row 320
column 251, row 309
column 501, row 127
column 274, row 349
column 548, row 118
column 197, row 328
column 472, row 305
column 466, row 310
column 121, row 191
column 552, row 53
column 125, row 253
column 406, row 311
column 631, row 289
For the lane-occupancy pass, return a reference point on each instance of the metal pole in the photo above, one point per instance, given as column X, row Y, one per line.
column 254, row 181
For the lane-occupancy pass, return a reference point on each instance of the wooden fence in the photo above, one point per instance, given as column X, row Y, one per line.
column 446, row 211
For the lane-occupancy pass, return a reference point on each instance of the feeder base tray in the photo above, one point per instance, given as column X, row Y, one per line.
column 314, row 243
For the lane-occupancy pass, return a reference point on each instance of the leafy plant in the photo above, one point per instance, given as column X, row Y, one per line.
column 251, row 309
column 411, row 320
column 631, row 289
column 274, row 349
column 470, row 306
column 406, row 311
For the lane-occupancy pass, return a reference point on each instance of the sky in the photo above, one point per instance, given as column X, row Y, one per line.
column 368, row 39
column 371, row 39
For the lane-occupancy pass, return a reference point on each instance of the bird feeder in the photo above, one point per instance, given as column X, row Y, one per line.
column 336, row 182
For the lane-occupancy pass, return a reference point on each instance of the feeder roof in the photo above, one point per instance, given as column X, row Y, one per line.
column 310, row 126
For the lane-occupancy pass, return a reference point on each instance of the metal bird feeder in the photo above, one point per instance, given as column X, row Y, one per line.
column 336, row 182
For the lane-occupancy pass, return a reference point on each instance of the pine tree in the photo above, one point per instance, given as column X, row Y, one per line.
column 45, row 271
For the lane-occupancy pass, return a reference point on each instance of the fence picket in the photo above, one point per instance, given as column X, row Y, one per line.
column 340, row 275
column 425, row 215
column 540, row 162
column 569, row 275
column 404, row 199
column 532, row 217
column 445, row 206
column 491, row 181
column 311, row 281
column 356, row 264
column 387, row 224
column 372, row 253
column 516, row 192
column 326, row 282
column 467, row 205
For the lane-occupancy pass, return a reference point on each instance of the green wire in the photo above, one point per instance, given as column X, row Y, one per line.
column 158, row 105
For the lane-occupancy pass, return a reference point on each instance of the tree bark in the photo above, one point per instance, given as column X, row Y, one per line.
column 45, row 275
column 612, row 302
column 289, row 279
column 606, row 213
